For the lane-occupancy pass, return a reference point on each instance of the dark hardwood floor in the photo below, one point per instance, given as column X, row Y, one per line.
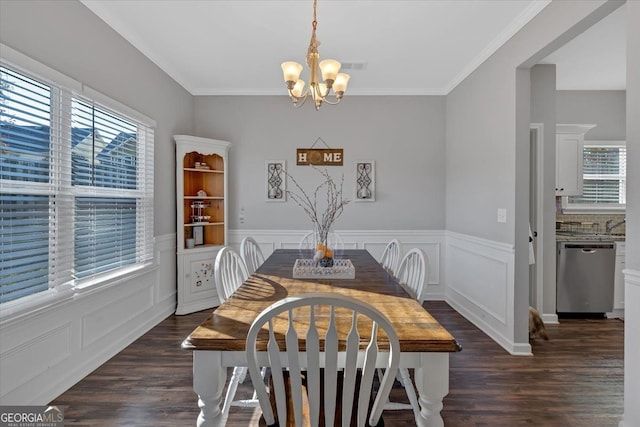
column 573, row 380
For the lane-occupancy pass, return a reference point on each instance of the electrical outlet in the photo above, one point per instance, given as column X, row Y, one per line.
column 502, row 215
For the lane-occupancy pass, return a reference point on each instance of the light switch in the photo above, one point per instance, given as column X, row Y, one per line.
column 502, row 215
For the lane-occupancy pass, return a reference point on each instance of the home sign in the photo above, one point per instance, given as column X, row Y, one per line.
column 319, row 156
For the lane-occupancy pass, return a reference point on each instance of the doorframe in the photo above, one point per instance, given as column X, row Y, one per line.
column 539, row 247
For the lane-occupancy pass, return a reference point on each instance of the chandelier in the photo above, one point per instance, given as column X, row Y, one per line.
column 329, row 68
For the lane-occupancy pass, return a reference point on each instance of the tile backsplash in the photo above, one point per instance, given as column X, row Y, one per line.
column 591, row 223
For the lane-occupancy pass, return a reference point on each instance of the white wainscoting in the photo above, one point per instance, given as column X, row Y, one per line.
column 430, row 241
column 48, row 351
column 480, row 286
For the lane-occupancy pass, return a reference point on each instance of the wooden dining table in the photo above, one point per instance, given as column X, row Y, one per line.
column 219, row 342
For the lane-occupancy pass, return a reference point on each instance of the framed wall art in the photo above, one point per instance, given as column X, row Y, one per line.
column 276, row 181
column 365, row 181
column 198, row 235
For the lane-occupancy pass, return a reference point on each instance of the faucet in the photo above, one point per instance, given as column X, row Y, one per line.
column 609, row 225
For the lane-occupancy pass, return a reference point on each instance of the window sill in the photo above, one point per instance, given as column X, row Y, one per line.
column 112, row 279
column 25, row 306
column 593, row 210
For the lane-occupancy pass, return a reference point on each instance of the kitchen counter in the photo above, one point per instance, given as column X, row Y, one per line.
column 571, row 237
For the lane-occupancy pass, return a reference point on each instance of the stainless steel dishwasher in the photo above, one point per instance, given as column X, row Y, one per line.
column 585, row 275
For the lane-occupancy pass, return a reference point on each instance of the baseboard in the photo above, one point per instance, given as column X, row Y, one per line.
column 617, row 313
column 515, row 349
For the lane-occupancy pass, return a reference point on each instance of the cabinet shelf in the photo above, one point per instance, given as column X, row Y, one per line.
column 203, row 170
column 194, row 224
column 204, row 247
column 204, row 198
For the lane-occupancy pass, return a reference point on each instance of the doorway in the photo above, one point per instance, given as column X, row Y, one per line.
column 536, row 215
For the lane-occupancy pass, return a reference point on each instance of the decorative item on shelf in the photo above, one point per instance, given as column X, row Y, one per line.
column 189, row 241
column 198, row 235
column 202, row 165
column 201, row 193
column 198, row 214
column 329, row 68
column 322, row 220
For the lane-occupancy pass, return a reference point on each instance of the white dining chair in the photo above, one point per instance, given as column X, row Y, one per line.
column 334, row 241
column 391, row 256
column 288, row 364
column 251, row 254
column 412, row 271
column 229, row 273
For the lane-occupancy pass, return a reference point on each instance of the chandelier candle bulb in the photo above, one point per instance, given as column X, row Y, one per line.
column 340, row 85
column 298, row 88
column 330, row 69
column 291, row 71
column 322, row 91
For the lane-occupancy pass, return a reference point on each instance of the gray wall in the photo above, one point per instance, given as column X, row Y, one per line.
column 543, row 110
column 604, row 108
column 69, row 38
column 404, row 135
column 633, row 143
column 632, row 291
column 487, row 156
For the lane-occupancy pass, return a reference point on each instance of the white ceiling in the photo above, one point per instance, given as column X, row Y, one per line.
column 233, row 47
column 596, row 59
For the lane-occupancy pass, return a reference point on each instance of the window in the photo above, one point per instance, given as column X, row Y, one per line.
column 76, row 188
column 604, row 177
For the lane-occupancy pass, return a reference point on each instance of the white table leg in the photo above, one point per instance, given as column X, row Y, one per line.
column 209, row 378
column 432, row 382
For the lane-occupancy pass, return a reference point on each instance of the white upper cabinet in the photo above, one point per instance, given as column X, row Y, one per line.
column 569, row 144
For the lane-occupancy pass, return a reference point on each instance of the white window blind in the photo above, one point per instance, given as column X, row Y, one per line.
column 604, row 177
column 76, row 188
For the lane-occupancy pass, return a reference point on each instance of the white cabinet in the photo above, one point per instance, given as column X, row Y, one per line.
column 618, row 287
column 201, row 217
column 569, row 143
column 568, row 165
